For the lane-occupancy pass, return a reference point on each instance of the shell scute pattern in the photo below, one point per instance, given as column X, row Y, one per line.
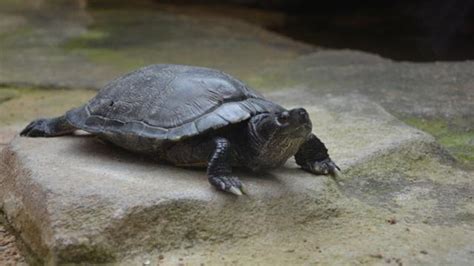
column 169, row 102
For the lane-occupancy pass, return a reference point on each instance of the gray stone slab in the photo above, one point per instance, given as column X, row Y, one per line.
column 75, row 199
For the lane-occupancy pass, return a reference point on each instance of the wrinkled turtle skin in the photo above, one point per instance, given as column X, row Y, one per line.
column 195, row 116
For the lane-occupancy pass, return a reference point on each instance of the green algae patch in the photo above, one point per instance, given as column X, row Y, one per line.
column 93, row 45
column 87, row 46
column 7, row 94
column 123, row 40
column 271, row 81
column 118, row 61
column 453, row 134
column 25, row 104
column 12, row 36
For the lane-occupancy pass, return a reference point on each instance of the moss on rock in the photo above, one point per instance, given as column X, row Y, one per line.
column 456, row 135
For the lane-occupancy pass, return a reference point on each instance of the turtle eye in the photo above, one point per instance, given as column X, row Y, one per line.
column 284, row 117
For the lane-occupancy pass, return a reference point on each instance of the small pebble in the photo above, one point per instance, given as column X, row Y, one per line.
column 392, row 221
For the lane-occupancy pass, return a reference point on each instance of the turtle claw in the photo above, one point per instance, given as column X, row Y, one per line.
column 324, row 167
column 235, row 191
column 333, row 169
column 243, row 189
column 337, row 172
column 229, row 184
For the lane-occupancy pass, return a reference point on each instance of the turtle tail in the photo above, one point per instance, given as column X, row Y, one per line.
column 48, row 127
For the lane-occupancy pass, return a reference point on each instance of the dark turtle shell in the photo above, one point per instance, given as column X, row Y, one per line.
column 169, row 102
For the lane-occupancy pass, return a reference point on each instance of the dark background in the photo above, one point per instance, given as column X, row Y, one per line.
column 400, row 30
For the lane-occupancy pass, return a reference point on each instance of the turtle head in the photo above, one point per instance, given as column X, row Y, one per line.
column 294, row 123
column 275, row 137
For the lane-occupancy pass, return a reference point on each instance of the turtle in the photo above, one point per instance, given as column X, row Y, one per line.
column 194, row 116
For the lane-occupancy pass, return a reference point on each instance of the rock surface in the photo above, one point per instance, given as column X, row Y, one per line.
column 401, row 199
column 71, row 45
column 440, row 89
column 9, row 252
column 75, row 199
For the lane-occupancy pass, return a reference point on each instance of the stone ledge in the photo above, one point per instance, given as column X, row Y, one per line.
column 75, row 199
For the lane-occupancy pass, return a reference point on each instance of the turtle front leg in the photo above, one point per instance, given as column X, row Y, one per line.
column 219, row 170
column 313, row 157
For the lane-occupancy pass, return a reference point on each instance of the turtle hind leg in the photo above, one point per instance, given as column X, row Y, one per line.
column 51, row 127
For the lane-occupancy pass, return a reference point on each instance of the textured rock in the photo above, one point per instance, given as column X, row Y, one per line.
column 400, row 199
column 9, row 252
column 69, row 45
column 439, row 89
column 76, row 199
column 6, row 135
